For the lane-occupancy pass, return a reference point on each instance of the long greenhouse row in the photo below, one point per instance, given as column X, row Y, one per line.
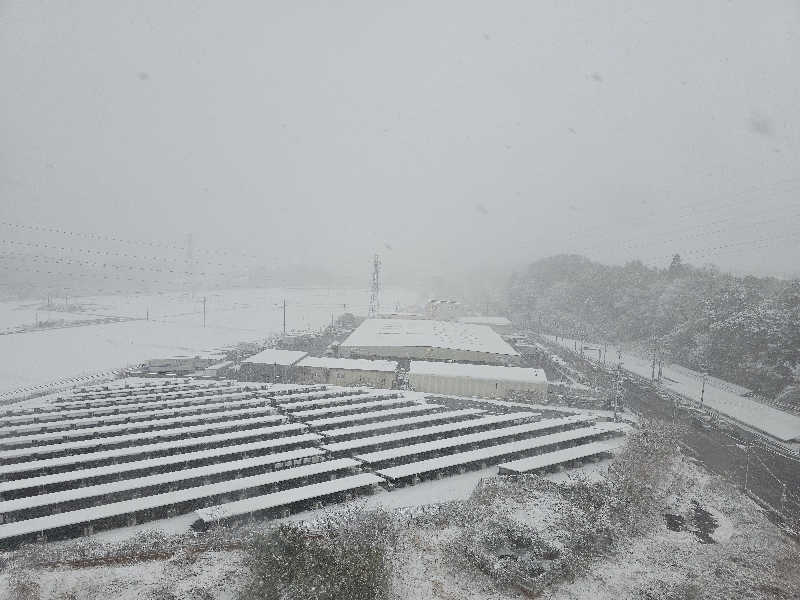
column 114, row 457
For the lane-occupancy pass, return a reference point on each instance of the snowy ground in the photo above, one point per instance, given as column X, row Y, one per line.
column 749, row 557
column 718, row 395
column 175, row 326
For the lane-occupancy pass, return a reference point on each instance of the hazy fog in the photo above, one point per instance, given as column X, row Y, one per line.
column 442, row 134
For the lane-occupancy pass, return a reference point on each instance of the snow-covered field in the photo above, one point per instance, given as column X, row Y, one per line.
column 777, row 423
column 175, row 326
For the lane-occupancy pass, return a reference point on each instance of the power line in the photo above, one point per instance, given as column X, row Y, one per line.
column 109, row 238
column 99, row 265
column 99, row 252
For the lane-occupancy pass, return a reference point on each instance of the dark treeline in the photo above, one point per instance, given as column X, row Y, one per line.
column 743, row 329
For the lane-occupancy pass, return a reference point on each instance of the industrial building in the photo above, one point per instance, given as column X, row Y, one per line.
column 428, row 340
column 500, row 324
column 484, row 381
column 443, row 309
column 346, row 372
column 182, row 365
column 270, row 365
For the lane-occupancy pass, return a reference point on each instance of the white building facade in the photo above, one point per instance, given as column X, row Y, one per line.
column 479, row 381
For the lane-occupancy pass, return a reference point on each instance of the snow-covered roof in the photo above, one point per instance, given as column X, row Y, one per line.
column 360, row 364
column 410, row 434
column 403, row 422
column 477, row 320
column 282, row 498
column 137, row 483
column 458, row 441
column 375, row 414
column 128, row 451
column 428, row 333
column 112, row 440
column 312, row 413
column 525, row 465
column 159, row 462
column 490, row 452
column 486, row 372
column 273, row 356
column 402, row 315
column 123, row 507
column 93, row 429
column 359, row 398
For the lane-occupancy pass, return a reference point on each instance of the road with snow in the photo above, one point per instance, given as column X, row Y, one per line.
column 720, row 396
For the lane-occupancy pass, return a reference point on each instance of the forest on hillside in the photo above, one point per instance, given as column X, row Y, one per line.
column 742, row 329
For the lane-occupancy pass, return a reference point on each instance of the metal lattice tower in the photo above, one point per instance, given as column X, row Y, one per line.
column 375, row 288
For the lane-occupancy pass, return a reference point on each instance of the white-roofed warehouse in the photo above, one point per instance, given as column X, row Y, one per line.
column 428, row 340
column 483, row 381
column 346, row 371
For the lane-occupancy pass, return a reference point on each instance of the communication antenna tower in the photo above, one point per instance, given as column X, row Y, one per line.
column 375, row 288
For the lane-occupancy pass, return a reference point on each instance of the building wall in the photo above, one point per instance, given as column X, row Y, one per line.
column 426, row 353
column 266, row 373
column 378, row 379
column 310, row 375
column 470, row 386
column 345, row 377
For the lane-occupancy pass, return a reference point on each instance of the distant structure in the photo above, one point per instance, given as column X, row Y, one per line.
column 182, row 365
column 500, row 324
column 427, row 340
column 375, row 288
column 443, row 309
column 402, row 315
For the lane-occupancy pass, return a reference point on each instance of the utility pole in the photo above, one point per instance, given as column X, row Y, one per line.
column 703, row 388
column 653, row 350
column 284, row 317
column 618, row 388
column 204, row 311
column 783, row 499
column 747, row 466
column 147, row 314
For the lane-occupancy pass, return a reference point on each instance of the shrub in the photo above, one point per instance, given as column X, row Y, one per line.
column 346, row 555
column 22, row 585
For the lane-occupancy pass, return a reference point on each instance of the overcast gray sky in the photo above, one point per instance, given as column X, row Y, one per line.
column 441, row 134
